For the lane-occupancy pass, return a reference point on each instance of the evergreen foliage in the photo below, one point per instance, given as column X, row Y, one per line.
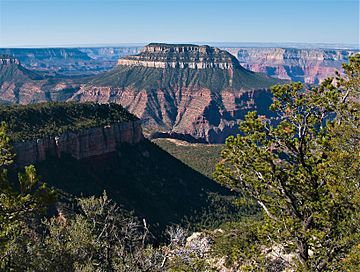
column 27, row 122
column 200, row 157
column 20, row 204
column 303, row 171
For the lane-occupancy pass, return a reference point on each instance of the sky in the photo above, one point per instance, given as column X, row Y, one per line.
column 101, row 22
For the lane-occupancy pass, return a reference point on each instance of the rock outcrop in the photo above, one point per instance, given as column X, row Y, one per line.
column 290, row 62
column 22, row 86
column 304, row 65
column 82, row 144
column 181, row 56
column 5, row 60
column 182, row 89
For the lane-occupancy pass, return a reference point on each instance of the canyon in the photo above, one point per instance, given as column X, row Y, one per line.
column 19, row 85
column 296, row 64
column 84, row 149
column 183, row 90
column 69, row 61
column 193, row 90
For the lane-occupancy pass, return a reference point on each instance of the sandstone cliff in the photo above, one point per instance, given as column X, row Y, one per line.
column 187, row 89
column 293, row 62
column 181, row 56
column 304, row 65
column 81, row 144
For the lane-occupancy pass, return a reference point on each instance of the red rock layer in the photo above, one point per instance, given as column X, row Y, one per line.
column 197, row 112
column 80, row 145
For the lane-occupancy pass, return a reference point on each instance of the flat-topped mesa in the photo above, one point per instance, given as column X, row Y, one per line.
column 7, row 60
column 161, row 55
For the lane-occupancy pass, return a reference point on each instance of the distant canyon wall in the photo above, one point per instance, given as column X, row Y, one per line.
column 304, row 65
column 81, row 144
column 70, row 61
column 296, row 64
column 20, row 85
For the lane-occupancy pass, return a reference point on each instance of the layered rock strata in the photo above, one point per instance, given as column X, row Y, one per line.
column 304, row 65
column 81, row 144
column 181, row 56
column 192, row 90
column 22, row 86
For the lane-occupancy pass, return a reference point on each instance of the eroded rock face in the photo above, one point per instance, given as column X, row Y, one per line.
column 304, row 65
column 7, row 61
column 199, row 91
column 22, row 86
column 80, row 145
column 181, row 56
column 183, row 89
column 185, row 111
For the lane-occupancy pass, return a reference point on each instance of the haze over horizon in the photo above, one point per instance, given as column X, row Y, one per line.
column 46, row 23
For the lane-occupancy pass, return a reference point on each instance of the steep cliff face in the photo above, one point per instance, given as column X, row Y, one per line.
column 84, row 149
column 304, row 65
column 187, row 89
column 181, row 56
column 22, row 86
column 293, row 62
column 82, row 144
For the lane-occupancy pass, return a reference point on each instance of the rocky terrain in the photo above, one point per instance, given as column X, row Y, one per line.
column 304, row 65
column 181, row 56
column 187, row 89
column 197, row 91
column 82, row 149
column 82, row 144
column 22, row 86
column 69, row 61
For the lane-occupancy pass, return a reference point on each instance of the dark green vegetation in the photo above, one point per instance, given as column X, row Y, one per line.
column 304, row 173
column 200, row 157
column 147, row 180
column 50, row 119
column 97, row 233
column 19, row 203
column 140, row 177
column 215, row 79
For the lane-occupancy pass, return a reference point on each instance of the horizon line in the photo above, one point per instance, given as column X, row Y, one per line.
column 220, row 44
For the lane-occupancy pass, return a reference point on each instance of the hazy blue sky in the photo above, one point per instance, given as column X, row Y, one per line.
column 65, row 22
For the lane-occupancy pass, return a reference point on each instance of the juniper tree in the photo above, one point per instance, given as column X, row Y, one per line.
column 302, row 169
column 19, row 204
